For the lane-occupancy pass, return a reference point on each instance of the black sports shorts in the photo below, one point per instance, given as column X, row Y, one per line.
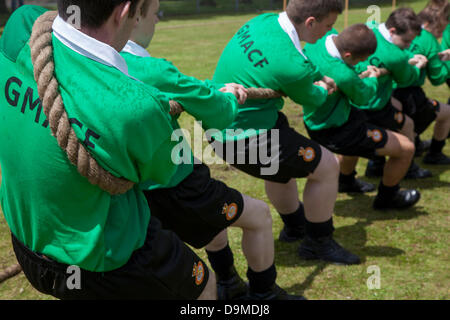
column 415, row 103
column 354, row 138
column 198, row 208
column 388, row 117
column 164, row 268
column 278, row 160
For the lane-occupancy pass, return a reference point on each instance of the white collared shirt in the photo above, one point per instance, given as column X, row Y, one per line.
column 135, row 49
column 385, row 32
column 289, row 28
column 88, row 46
column 331, row 47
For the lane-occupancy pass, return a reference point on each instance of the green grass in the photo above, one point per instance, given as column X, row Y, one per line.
column 410, row 247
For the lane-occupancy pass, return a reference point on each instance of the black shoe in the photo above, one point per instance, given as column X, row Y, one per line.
column 403, row 199
column 374, row 169
column 358, row 186
column 416, row 172
column 292, row 234
column 275, row 293
column 421, row 147
column 232, row 289
column 436, row 158
column 326, row 249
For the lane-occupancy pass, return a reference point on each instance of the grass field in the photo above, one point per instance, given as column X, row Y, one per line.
column 409, row 247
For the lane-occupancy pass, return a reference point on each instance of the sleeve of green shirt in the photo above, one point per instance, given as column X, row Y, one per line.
column 359, row 91
column 201, row 99
column 402, row 72
column 303, row 90
column 437, row 70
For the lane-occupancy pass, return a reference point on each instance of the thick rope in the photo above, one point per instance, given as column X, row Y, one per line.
column 10, row 272
column 44, row 67
column 252, row 94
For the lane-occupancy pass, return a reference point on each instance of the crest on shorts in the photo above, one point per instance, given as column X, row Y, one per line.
column 308, row 154
column 399, row 117
column 376, row 135
column 230, row 211
column 198, row 272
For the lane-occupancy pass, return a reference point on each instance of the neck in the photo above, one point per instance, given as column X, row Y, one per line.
column 337, row 45
column 101, row 34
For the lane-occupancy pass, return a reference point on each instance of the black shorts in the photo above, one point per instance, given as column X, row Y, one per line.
column 355, row 138
column 278, row 160
column 423, row 111
column 164, row 268
column 198, row 208
column 388, row 117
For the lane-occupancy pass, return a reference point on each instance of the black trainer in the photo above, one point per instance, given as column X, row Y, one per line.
column 357, row 186
column 374, row 169
column 416, row 172
column 326, row 249
column 292, row 234
column 275, row 293
column 421, row 146
column 436, row 158
column 403, row 199
column 232, row 289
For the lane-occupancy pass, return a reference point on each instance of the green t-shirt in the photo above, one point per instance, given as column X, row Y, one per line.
column 446, row 38
column 262, row 55
column 395, row 60
column 336, row 109
column 201, row 99
column 436, row 70
column 124, row 124
column 446, row 42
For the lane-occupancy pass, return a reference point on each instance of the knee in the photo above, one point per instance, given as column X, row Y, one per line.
column 210, row 290
column 328, row 167
column 408, row 148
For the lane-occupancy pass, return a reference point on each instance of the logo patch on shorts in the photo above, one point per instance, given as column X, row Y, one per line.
column 198, row 272
column 435, row 103
column 230, row 211
column 376, row 135
column 399, row 117
column 308, row 154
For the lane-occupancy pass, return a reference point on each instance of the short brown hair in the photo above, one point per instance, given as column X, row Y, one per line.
column 404, row 20
column 435, row 13
column 94, row 13
column 300, row 10
column 357, row 39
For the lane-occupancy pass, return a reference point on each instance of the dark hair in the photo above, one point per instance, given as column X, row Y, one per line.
column 94, row 12
column 300, row 10
column 404, row 20
column 357, row 39
column 435, row 13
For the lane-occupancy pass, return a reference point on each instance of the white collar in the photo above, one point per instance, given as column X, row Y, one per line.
column 88, row 46
column 289, row 28
column 385, row 32
column 331, row 47
column 135, row 49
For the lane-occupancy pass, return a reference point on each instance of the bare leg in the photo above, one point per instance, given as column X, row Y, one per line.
column 442, row 126
column 210, row 291
column 348, row 164
column 257, row 237
column 400, row 151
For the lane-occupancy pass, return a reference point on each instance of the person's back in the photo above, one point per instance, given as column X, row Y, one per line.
column 336, row 109
column 250, row 61
column 42, row 193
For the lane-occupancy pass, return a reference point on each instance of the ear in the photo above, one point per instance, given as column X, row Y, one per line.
column 347, row 55
column 121, row 12
column 393, row 31
column 309, row 22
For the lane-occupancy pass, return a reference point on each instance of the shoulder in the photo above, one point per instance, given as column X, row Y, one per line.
column 18, row 29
